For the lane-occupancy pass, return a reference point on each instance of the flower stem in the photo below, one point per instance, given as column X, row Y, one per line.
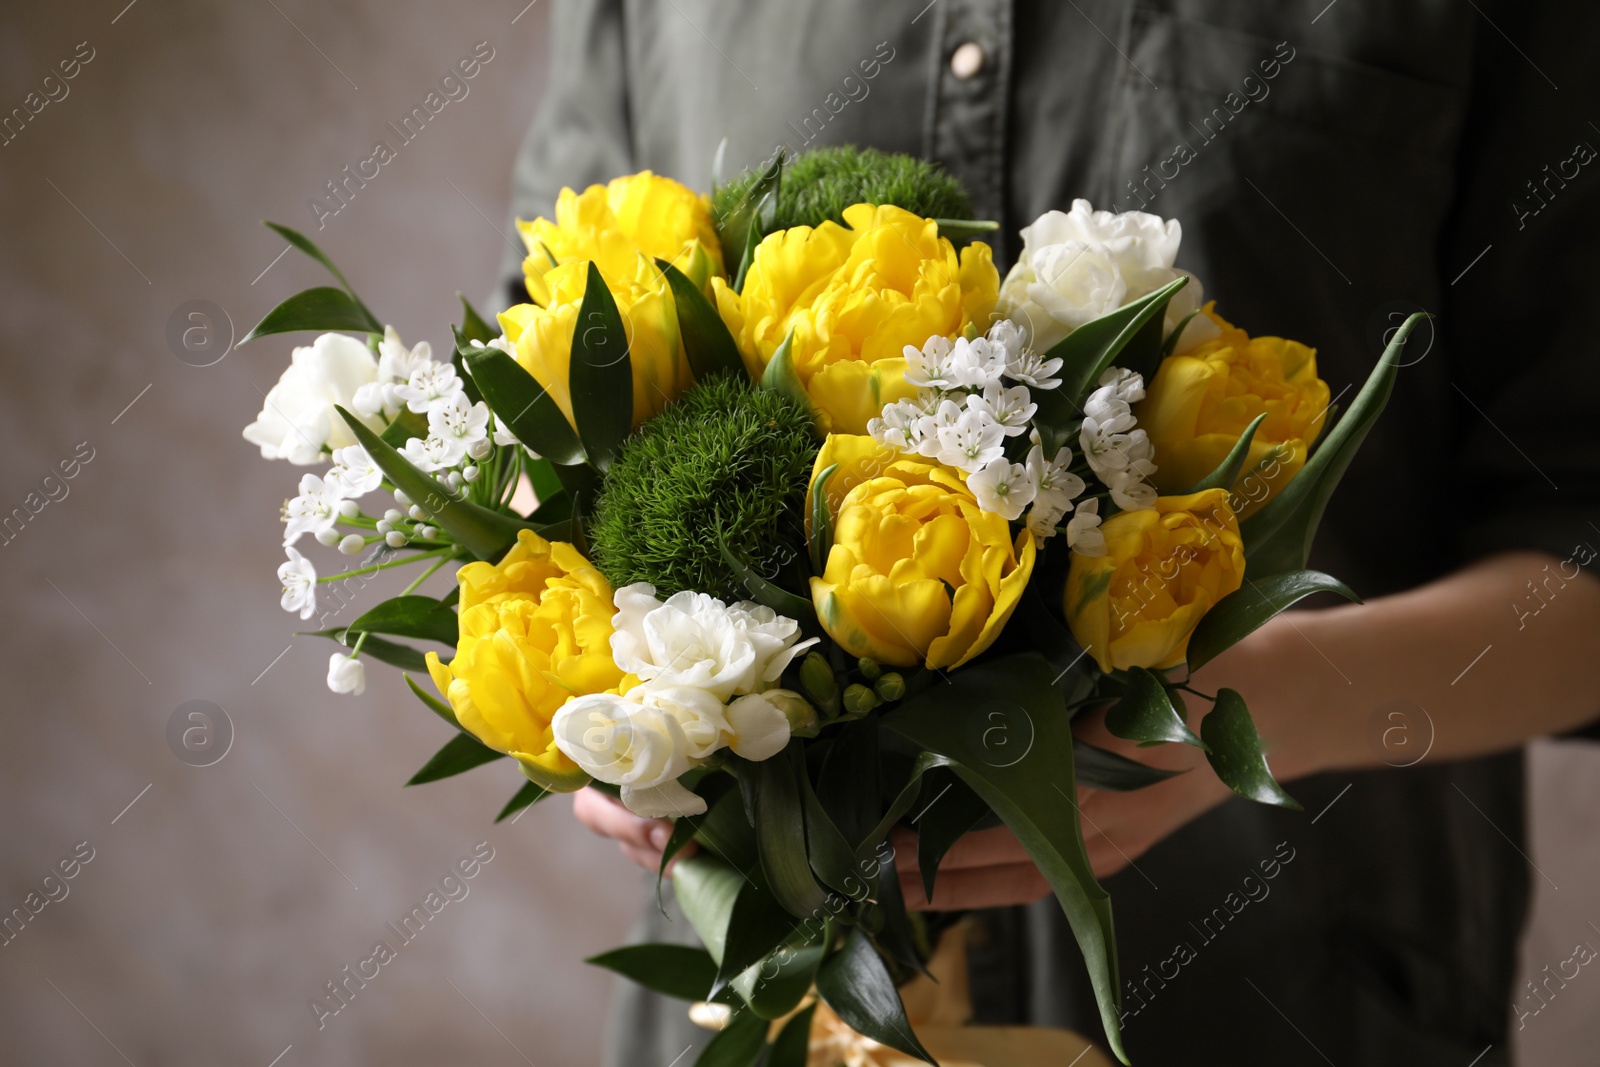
column 435, row 554
column 355, row 649
column 425, row 575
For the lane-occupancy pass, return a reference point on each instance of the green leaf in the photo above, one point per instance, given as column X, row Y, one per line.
column 821, row 520
column 473, row 326
column 1171, row 343
column 782, row 978
column 461, row 753
column 1145, row 713
column 433, row 703
column 324, row 309
column 600, row 374
column 706, row 887
column 857, row 986
column 712, row 788
column 740, row 230
column 781, row 842
column 411, row 616
column 309, row 247
column 793, row 1045
column 406, row 425
column 391, row 652
column 1278, row 537
column 951, row 809
column 736, row 1046
column 780, row 375
column 962, row 229
column 1033, row 795
column 1087, row 351
column 1102, row 769
column 530, row 793
column 756, row 925
column 524, row 406
column 671, row 970
column 827, row 851
column 848, row 787
column 1236, row 752
column 1227, row 471
column 480, row 531
column 764, row 592
column 458, row 360
column 709, row 346
column 1241, row 612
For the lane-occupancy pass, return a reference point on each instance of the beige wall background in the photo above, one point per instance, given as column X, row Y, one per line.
column 220, row 899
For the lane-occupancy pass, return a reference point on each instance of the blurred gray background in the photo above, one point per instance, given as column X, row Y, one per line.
column 221, row 899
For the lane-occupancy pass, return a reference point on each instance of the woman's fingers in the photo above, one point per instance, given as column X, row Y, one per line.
column 976, row 887
column 607, row 817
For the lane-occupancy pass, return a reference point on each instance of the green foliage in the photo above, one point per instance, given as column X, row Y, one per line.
column 725, row 464
column 819, row 185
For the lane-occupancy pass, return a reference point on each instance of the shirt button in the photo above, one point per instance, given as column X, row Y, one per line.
column 967, row 60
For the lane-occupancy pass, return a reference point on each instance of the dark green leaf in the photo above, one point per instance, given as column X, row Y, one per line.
column 781, row 842
column 309, row 247
column 1236, row 752
column 1171, row 343
column 794, row 1042
column 524, row 406
column 951, row 809
column 821, row 520
column 756, row 925
column 1087, row 351
column 530, row 793
column 764, row 592
column 480, row 531
column 712, row 788
column 473, row 326
column 458, row 360
column 1035, row 796
column 962, row 229
column 1100, row 769
column 323, row 309
column 709, row 346
column 433, row 703
column 781, row 980
column 738, row 1045
column 848, row 786
column 706, row 887
column 1145, row 713
column 856, row 985
column 461, row 753
column 406, row 425
column 1241, row 612
column 391, row 652
column 740, row 230
column 1278, row 537
column 1142, row 353
column 671, row 970
column 781, row 376
column 600, row 374
column 1227, row 471
column 830, row 855
column 411, row 616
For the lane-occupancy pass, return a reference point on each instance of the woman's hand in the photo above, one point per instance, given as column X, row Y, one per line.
column 641, row 840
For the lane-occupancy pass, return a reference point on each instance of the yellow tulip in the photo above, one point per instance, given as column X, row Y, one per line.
column 535, row 631
column 918, row 573
column 1164, row 568
column 1201, row 401
column 541, row 336
column 612, row 224
column 854, row 296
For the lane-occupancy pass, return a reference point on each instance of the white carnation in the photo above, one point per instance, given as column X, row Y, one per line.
column 298, row 421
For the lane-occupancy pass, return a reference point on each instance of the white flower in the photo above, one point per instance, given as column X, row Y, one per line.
column 1055, row 487
column 435, row 381
column 625, row 742
column 346, row 674
column 1129, row 490
column 1083, row 529
column 299, row 580
column 899, row 426
column 1117, row 383
column 929, row 366
column 669, row 800
column 973, row 441
column 396, row 362
column 1002, row 487
column 353, row 473
column 499, row 342
column 459, row 422
column 1077, row 266
column 1009, row 407
column 433, row 453
column 502, row 436
column 757, row 728
column 314, row 510
column 976, row 364
column 697, row 641
column 1033, row 369
column 297, row 421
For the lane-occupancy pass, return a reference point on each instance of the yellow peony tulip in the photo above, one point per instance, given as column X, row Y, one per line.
column 611, row 224
column 535, row 631
column 541, row 336
column 918, row 573
column 1164, row 568
column 1201, row 401
column 854, row 297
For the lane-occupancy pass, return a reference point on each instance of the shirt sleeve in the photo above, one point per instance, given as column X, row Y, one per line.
column 1516, row 319
column 582, row 132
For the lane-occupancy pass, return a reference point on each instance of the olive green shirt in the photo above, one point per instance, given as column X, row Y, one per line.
column 1334, row 166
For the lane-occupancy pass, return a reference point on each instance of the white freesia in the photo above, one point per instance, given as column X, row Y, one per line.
column 622, row 741
column 427, row 384
column 314, row 510
column 346, row 674
column 298, row 419
column 353, row 473
column 1081, row 264
column 757, row 727
column 299, row 580
column 1083, row 529
column 1002, row 487
column 697, row 641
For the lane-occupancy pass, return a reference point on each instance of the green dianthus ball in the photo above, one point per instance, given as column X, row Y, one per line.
column 725, row 461
column 818, row 186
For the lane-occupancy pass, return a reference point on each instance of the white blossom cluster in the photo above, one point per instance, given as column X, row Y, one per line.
column 972, row 395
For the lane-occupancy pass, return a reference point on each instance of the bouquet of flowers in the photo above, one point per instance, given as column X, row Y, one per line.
column 779, row 513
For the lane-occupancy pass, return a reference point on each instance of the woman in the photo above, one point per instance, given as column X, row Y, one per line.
column 1332, row 171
